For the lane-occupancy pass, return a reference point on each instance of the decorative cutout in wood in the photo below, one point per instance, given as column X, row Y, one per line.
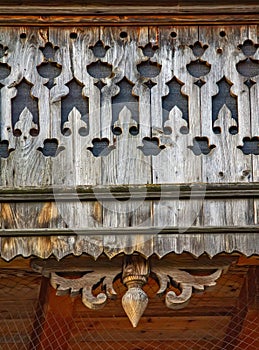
column 149, row 50
column 74, row 99
column 99, row 50
column 5, row 70
column 248, row 47
column 251, row 145
column 198, row 49
column 99, row 70
column 3, row 50
column 224, row 97
column 25, row 99
column 149, row 84
column 151, row 146
column 125, row 97
column 4, row 149
column 100, row 147
column 49, row 69
column 51, row 148
column 248, row 67
column 100, row 84
column 198, row 68
column 131, row 91
column 201, row 145
column 175, row 97
column 149, row 69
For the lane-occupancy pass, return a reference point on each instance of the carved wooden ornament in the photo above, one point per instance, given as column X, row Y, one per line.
column 135, row 272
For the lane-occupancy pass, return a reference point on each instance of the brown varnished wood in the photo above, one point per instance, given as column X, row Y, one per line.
column 129, row 20
column 40, row 314
column 251, row 260
column 117, row 6
column 52, row 327
column 208, row 314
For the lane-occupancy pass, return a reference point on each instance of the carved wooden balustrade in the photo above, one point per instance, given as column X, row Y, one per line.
column 116, row 139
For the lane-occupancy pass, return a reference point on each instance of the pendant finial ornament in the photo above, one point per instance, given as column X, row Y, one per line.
column 135, row 275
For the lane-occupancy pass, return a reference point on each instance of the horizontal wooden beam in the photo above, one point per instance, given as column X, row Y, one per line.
column 133, row 192
column 126, row 7
column 83, row 263
column 250, row 230
column 46, row 19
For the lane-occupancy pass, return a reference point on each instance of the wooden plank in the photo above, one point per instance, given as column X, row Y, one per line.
column 16, row 284
column 129, row 20
column 236, row 323
column 224, row 212
column 196, row 240
column 227, row 161
column 154, row 345
column 16, row 327
column 95, row 7
column 17, row 264
column 249, row 336
column 16, row 309
column 151, row 329
column 253, row 36
column 55, row 328
column 151, row 191
column 251, row 230
column 251, row 260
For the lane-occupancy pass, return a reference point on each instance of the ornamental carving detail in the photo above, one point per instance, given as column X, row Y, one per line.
column 134, row 274
column 99, row 97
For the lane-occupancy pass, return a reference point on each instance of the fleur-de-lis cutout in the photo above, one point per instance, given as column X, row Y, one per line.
column 198, row 49
column 201, row 145
column 125, row 123
column 250, row 146
column 225, row 122
column 51, row 148
column 149, row 50
column 101, row 147
column 49, row 51
column 99, row 50
column 49, row 68
column 151, row 146
column 248, row 48
column 248, row 67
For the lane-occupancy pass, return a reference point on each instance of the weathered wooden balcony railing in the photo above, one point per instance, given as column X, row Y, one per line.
column 170, row 114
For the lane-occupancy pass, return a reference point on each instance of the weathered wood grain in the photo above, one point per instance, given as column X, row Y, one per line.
column 99, row 162
column 97, row 7
column 227, row 162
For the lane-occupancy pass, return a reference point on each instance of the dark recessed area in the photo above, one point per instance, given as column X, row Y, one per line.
column 123, row 35
column 73, row 35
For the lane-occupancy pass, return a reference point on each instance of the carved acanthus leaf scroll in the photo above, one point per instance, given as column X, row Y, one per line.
column 85, row 285
column 185, row 282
